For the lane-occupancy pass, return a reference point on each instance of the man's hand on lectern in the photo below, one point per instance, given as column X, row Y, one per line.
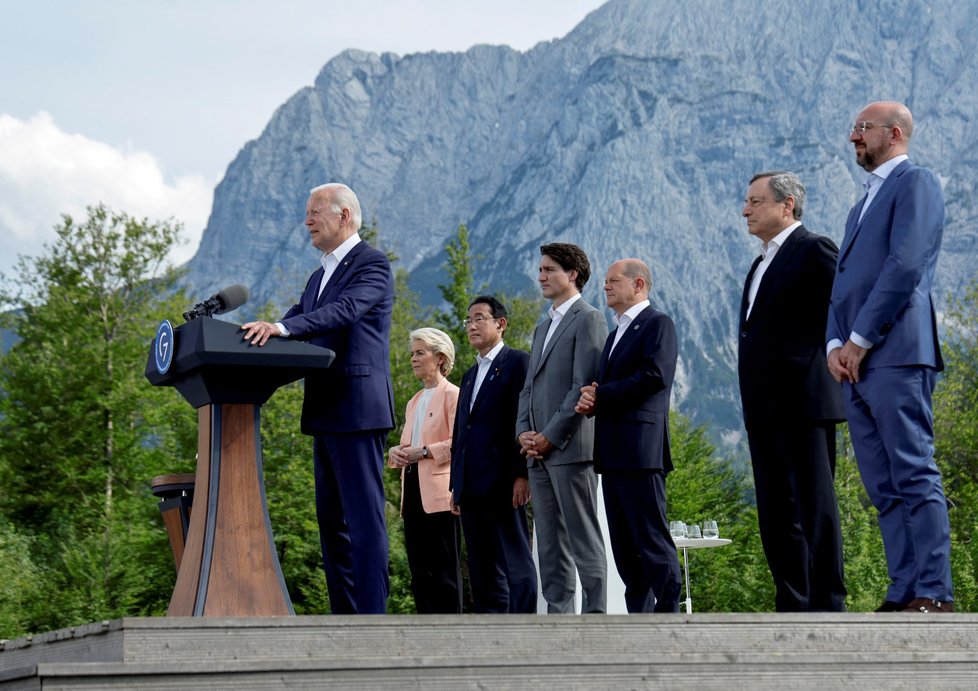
column 258, row 333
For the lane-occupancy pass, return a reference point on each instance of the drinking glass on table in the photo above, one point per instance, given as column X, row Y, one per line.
column 694, row 531
column 677, row 529
column 710, row 529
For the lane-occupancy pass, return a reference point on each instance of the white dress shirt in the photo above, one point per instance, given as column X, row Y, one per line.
column 330, row 262
column 769, row 250
column 875, row 180
column 624, row 319
column 558, row 313
column 484, row 362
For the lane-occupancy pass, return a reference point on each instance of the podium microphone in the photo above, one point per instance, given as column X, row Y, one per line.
column 222, row 301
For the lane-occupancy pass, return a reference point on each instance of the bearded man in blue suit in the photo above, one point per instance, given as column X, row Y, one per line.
column 349, row 407
column 883, row 348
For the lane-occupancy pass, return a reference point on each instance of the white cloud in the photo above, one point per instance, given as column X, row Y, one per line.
column 45, row 172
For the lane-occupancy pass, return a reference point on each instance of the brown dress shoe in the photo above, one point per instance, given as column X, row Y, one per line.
column 928, row 606
column 891, row 606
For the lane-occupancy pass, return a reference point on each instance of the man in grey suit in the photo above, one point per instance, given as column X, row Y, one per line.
column 557, row 441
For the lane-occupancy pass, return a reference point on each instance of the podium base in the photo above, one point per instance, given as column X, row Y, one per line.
column 229, row 567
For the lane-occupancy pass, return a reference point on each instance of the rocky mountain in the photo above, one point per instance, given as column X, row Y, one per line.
column 634, row 135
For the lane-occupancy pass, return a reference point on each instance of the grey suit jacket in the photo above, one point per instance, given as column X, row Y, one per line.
column 554, row 381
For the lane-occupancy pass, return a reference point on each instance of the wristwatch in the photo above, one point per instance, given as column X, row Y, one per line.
column 424, row 452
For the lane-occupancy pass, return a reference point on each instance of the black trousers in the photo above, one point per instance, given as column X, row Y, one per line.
column 501, row 569
column 794, row 477
column 645, row 554
column 434, row 546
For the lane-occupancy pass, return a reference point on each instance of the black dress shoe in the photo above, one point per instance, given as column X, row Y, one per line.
column 928, row 606
column 891, row 606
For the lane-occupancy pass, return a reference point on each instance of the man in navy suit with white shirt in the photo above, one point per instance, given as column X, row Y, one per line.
column 882, row 346
column 630, row 402
column 349, row 407
column 489, row 476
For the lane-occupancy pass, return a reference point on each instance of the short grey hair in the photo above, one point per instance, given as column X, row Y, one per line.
column 636, row 268
column 783, row 185
column 341, row 197
column 440, row 344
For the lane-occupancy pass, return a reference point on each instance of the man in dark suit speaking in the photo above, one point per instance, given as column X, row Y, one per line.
column 348, row 408
column 791, row 403
column 882, row 341
column 630, row 402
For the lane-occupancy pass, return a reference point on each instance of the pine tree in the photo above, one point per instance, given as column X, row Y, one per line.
column 81, row 430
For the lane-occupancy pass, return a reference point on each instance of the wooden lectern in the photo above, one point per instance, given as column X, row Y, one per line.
column 229, row 567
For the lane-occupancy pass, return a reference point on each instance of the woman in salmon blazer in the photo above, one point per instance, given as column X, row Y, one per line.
column 432, row 535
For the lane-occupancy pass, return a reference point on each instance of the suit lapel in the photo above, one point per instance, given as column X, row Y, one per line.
column 341, row 270
column 745, row 298
column 536, row 351
column 490, row 381
column 605, row 356
column 562, row 326
column 853, row 223
column 465, row 397
column 783, row 257
column 851, row 226
column 629, row 335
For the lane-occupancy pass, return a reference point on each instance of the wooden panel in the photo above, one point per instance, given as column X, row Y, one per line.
column 173, row 522
column 244, row 573
column 188, row 577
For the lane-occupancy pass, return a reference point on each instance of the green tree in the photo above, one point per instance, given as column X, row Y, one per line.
column 458, row 293
column 866, row 576
column 19, row 579
column 81, row 430
column 523, row 311
column 956, row 437
column 734, row 578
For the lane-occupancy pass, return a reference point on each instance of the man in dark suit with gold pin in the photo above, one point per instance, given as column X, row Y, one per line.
column 791, row 402
column 630, row 402
column 489, row 476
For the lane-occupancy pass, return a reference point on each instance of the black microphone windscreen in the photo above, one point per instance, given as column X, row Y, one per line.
column 231, row 298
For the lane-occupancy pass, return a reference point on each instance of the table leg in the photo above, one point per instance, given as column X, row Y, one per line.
column 689, row 600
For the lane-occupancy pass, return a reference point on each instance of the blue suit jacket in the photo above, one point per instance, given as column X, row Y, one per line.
column 486, row 458
column 632, row 399
column 883, row 280
column 353, row 318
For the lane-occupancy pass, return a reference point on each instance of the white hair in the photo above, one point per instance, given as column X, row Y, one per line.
column 341, row 197
column 440, row 344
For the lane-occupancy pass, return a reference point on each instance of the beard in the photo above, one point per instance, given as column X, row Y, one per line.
column 866, row 160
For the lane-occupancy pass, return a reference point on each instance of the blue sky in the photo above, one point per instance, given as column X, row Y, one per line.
column 142, row 104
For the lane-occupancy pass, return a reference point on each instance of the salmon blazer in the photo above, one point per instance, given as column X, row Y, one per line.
column 434, row 472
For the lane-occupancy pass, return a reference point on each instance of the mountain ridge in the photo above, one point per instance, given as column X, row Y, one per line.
column 634, row 135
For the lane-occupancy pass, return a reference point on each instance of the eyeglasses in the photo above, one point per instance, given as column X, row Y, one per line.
column 317, row 212
column 861, row 127
column 477, row 320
